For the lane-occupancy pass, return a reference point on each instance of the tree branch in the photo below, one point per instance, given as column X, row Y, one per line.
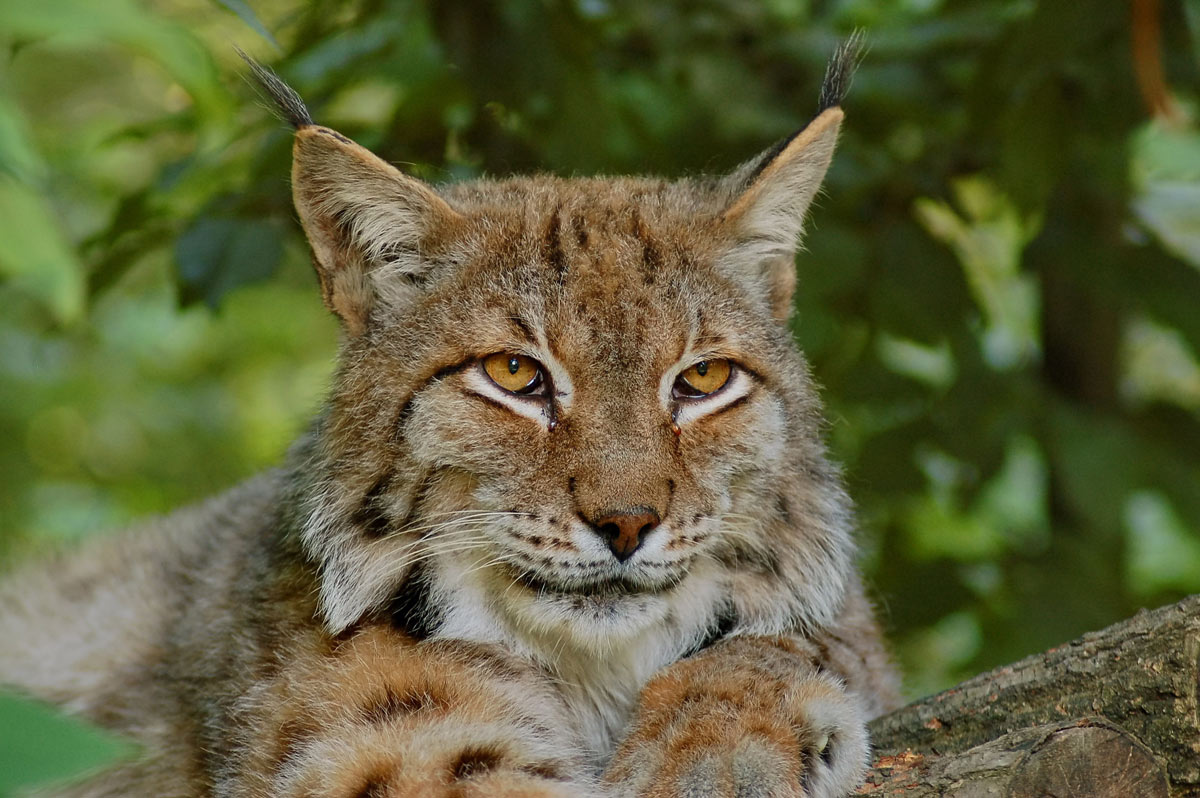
column 1115, row 710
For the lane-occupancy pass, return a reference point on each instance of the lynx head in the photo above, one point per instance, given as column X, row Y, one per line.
column 577, row 398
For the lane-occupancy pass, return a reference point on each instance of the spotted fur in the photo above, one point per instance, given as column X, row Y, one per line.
column 423, row 601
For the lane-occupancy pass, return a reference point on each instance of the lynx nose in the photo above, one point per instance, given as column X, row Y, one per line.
column 624, row 531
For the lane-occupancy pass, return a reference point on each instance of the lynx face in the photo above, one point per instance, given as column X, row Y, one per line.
column 569, row 412
column 593, row 408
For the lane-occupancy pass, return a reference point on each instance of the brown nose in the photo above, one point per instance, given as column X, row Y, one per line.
column 624, row 531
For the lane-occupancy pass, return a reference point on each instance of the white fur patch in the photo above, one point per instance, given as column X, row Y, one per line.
column 688, row 410
column 532, row 407
column 602, row 650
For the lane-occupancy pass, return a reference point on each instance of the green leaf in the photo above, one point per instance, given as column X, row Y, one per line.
column 243, row 10
column 36, row 255
column 1165, row 168
column 1191, row 9
column 932, row 365
column 988, row 239
column 18, row 155
column 1169, row 209
column 1016, row 499
column 38, row 745
column 1164, row 554
column 174, row 47
column 936, row 528
column 1158, row 365
column 219, row 253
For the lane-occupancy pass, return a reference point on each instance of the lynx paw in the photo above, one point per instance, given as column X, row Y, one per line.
column 377, row 716
column 742, row 728
column 436, row 764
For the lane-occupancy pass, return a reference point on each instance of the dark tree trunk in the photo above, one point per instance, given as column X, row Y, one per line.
column 1114, row 713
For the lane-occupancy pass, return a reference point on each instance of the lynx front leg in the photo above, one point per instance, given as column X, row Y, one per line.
column 748, row 718
column 384, row 717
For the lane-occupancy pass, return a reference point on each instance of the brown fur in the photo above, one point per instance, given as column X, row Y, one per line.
column 420, row 602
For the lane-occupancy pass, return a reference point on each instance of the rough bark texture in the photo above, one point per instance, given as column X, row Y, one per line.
column 1111, row 714
column 1089, row 758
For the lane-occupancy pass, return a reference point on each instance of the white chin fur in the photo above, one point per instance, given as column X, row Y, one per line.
column 551, row 624
column 593, row 623
column 603, row 649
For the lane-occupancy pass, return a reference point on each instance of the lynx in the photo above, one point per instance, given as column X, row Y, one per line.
column 565, row 527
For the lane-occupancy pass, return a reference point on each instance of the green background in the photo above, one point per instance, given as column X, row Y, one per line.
column 1000, row 293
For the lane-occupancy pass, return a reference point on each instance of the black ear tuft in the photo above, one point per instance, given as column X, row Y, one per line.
column 840, row 72
column 285, row 102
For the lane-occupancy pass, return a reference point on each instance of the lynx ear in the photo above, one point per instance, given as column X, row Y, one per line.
column 770, row 194
column 365, row 219
column 767, row 218
column 366, row 222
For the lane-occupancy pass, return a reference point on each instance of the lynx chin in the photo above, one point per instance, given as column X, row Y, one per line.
column 565, row 526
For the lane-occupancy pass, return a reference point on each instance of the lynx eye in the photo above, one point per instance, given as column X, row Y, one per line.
column 703, row 378
column 514, row 373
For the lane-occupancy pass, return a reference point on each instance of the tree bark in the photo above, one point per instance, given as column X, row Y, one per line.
column 1114, row 713
column 1089, row 758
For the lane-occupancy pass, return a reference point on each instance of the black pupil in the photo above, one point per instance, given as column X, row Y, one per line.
column 702, row 368
column 514, row 365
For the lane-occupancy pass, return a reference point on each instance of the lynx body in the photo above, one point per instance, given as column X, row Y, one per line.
column 565, row 527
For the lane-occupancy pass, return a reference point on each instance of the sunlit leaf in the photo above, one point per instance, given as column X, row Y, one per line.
column 38, row 745
column 35, row 255
column 1163, row 553
column 1016, row 499
column 929, row 364
column 18, row 155
column 1157, row 364
column 988, row 239
column 1166, row 171
column 937, row 529
column 172, row 46
column 1170, row 210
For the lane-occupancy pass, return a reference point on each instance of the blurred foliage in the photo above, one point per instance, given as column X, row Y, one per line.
column 38, row 746
column 1001, row 293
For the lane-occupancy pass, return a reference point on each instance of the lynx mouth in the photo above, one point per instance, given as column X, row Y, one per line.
column 607, row 587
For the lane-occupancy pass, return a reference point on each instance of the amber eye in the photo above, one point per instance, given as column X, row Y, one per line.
column 705, row 377
column 514, row 373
